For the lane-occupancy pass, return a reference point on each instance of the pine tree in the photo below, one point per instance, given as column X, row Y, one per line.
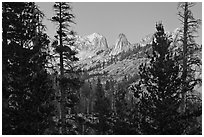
column 69, row 79
column 26, row 87
column 191, row 62
column 190, row 54
column 158, row 89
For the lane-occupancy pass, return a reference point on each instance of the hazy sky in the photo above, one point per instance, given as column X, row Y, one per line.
column 134, row 19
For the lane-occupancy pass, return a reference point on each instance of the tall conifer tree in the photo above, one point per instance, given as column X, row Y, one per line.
column 26, row 85
column 63, row 44
column 191, row 60
column 158, row 89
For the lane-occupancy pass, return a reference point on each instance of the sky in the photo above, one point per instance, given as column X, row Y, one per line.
column 135, row 19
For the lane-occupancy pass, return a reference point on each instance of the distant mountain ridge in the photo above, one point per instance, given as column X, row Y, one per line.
column 91, row 45
column 97, row 58
column 96, row 43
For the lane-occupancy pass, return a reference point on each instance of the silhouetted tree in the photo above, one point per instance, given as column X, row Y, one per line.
column 26, row 86
column 191, row 61
column 69, row 80
column 158, row 89
column 190, row 53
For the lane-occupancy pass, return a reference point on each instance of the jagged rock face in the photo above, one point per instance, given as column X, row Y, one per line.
column 122, row 40
column 122, row 44
column 98, row 41
column 91, row 42
column 91, row 45
column 94, row 44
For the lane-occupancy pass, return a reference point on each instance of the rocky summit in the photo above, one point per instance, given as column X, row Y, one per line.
column 90, row 45
column 122, row 44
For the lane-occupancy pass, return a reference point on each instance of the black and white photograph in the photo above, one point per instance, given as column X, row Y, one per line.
column 101, row 68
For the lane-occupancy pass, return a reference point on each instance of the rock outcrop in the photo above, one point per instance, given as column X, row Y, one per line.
column 90, row 45
column 98, row 41
column 122, row 44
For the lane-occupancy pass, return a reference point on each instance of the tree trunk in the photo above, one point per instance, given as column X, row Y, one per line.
column 62, row 111
column 184, row 75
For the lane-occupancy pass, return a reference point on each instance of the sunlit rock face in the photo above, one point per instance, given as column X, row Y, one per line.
column 122, row 44
column 98, row 41
column 90, row 45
